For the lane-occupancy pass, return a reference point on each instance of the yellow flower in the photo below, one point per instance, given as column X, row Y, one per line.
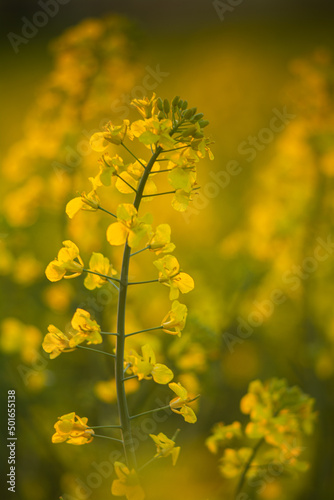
column 99, row 264
column 160, row 240
column 153, row 131
column 129, row 226
column 85, row 329
column 127, row 483
column 65, row 263
column 175, row 320
column 72, row 429
column 181, row 402
column 221, row 434
column 109, row 168
column 128, row 180
column 100, row 141
column 56, row 342
column 170, row 275
column 165, row 447
column 89, row 201
column 145, row 366
column 181, row 199
column 146, row 107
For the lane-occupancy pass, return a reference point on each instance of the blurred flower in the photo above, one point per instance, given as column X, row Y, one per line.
column 159, row 241
column 221, row 434
column 72, row 429
column 165, row 447
column 234, row 461
column 16, row 337
column 106, row 391
column 170, row 275
column 181, row 402
column 65, row 263
column 127, row 483
column 56, row 342
column 99, row 264
column 89, row 201
column 174, row 322
column 145, row 366
column 100, row 141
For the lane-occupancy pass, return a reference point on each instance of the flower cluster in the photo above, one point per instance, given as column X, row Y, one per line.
column 72, row 429
column 279, row 417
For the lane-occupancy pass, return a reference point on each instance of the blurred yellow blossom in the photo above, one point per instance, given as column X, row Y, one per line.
column 72, row 429
column 65, row 263
column 99, row 264
column 165, row 447
column 170, row 275
column 127, row 483
column 159, row 241
column 146, row 367
column 180, row 403
column 174, row 322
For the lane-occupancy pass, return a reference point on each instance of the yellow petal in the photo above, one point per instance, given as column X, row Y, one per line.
column 162, row 374
column 74, row 206
column 98, row 142
column 117, row 234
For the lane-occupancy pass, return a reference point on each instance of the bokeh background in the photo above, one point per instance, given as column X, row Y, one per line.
column 246, row 236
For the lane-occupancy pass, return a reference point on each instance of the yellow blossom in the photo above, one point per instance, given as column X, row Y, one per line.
column 56, row 342
column 72, row 429
column 170, row 275
column 179, row 404
column 146, row 107
column 145, row 366
column 159, row 241
column 109, row 168
column 153, row 131
column 174, row 322
column 85, row 329
column 165, row 447
column 100, row 141
column 89, row 201
column 99, row 264
column 129, row 226
column 127, row 483
column 65, row 263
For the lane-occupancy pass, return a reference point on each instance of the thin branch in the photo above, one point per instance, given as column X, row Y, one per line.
column 127, row 183
column 247, row 465
column 158, row 194
column 96, row 350
column 105, row 427
column 129, row 377
column 113, row 284
column 146, row 330
column 150, row 411
column 107, row 211
column 109, row 333
column 138, row 251
column 131, row 153
column 107, row 437
column 142, row 282
column 102, row 275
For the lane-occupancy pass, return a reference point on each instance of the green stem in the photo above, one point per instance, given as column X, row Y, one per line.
column 125, row 182
column 146, row 330
column 101, row 275
column 125, row 421
column 104, row 427
column 131, row 153
column 158, row 194
column 247, row 466
column 129, row 378
column 107, row 437
column 96, row 350
column 149, row 411
column 107, row 211
column 142, row 282
column 139, row 251
column 109, row 333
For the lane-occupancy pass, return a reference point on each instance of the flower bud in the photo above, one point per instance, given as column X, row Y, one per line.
column 160, row 104
column 166, row 106
column 197, row 117
column 175, row 101
column 185, row 105
column 203, row 123
column 189, row 113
